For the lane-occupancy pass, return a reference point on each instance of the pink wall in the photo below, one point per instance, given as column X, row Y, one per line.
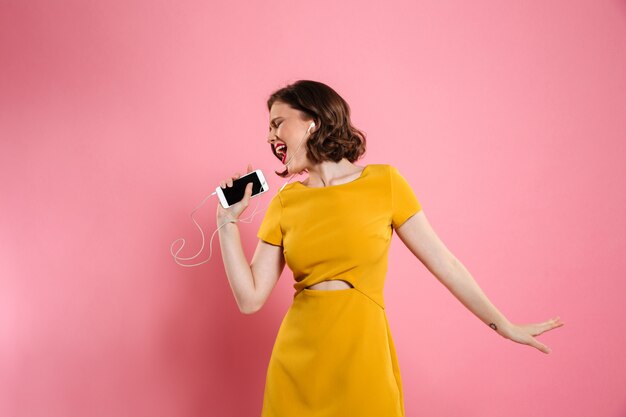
column 118, row 118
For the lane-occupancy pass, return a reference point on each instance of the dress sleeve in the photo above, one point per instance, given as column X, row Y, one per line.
column 404, row 203
column 270, row 230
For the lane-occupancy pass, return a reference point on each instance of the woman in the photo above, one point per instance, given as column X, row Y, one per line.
column 334, row 354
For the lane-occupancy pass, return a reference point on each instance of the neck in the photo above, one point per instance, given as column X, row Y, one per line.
column 332, row 173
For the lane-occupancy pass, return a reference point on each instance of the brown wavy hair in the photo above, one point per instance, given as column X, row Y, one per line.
column 335, row 137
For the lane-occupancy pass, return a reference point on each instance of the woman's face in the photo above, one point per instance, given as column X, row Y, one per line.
column 287, row 135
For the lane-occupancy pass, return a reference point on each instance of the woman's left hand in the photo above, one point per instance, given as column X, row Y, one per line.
column 523, row 333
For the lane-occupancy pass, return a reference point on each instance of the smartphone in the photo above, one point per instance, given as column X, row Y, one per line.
column 232, row 195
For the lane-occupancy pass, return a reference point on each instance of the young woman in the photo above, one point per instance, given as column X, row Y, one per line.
column 334, row 354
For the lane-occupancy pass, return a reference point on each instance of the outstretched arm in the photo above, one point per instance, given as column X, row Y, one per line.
column 417, row 234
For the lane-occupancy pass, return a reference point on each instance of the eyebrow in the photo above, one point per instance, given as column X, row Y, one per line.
column 277, row 117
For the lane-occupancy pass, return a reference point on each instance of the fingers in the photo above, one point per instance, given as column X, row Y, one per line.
column 245, row 201
column 229, row 181
column 554, row 323
column 234, row 177
column 549, row 325
column 528, row 331
column 248, row 192
column 531, row 341
column 540, row 346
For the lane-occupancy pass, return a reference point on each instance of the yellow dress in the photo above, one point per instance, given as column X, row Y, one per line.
column 334, row 355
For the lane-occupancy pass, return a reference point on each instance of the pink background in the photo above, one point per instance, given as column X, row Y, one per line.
column 118, row 118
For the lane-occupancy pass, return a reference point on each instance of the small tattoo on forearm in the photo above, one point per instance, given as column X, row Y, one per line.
column 493, row 326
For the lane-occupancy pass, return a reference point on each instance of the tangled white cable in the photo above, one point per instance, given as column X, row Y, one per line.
column 175, row 255
column 245, row 220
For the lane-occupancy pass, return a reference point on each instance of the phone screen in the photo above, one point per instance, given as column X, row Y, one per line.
column 235, row 193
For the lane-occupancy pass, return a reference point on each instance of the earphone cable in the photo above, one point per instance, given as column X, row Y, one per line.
column 244, row 220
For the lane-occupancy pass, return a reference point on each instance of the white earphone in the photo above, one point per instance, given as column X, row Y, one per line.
column 311, row 126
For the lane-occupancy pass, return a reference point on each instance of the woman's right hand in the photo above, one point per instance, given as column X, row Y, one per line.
column 235, row 210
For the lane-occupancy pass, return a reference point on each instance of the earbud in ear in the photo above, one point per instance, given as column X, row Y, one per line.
column 311, row 126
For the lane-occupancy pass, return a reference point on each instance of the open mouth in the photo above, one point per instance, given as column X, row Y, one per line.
column 281, row 152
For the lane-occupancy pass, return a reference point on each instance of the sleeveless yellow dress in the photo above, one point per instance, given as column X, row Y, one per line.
column 334, row 355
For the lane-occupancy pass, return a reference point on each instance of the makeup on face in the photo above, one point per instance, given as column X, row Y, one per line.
column 279, row 149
